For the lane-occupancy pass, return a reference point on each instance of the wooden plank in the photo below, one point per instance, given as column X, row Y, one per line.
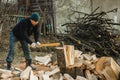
column 69, row 54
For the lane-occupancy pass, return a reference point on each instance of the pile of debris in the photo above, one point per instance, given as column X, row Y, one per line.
column 44, row 70
column 87, row 66
column 93, row 33
column 71, row 64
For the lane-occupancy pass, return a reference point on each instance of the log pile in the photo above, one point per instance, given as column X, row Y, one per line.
column 71, row 64
column 93, row 33
column 44, row 70
column 86, row 66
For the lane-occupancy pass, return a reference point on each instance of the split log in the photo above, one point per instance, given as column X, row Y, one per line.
column 61, row 77
column 81, row 78
column 61, row 59
column 87, row 57
column 69, row 54
column 74, row 69
column 44, row 60
column 87, row 62
column 109, row 73
column 17, row 71
column 78, row 53
column 90, row 76
column 68, row 77
column 46, row 77
column 108, row 68
column 40, row 74
column 7, row 79
column 94, row 58
column 6, row 73
column 53, row 72
column 25, row 74
column 32, row 76
column 100, row 66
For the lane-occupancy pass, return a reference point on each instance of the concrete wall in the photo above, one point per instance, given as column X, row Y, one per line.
column 64, row 11
column 9, row 1
column 106, row 5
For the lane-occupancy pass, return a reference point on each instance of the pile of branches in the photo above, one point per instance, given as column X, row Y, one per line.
column 94, row 33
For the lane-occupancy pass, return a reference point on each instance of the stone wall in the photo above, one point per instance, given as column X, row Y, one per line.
column 64, row 11
column 106, row 5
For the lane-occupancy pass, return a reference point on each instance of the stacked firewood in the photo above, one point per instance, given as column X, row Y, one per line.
column 94, row 33
column 79, row 66
column 71, row 64
column 45, row 70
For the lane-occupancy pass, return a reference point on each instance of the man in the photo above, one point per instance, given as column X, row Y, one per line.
column 21, row 32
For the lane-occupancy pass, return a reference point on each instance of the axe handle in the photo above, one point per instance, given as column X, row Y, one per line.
column 50, row 44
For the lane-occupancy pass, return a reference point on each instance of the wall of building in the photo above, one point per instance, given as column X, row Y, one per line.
column 9, row 1
column 106, row 5
column 64, row 11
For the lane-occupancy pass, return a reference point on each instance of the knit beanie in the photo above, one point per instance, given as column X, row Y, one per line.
column 35, row 16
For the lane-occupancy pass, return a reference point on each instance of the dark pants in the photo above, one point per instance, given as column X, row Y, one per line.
column 25, row 47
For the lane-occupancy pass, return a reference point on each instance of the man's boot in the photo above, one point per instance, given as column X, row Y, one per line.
column 28, row 63
column 8, row 65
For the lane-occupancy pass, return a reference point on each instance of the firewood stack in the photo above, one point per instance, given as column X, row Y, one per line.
column 75, row 65
column 93, row 33
column 71, row 64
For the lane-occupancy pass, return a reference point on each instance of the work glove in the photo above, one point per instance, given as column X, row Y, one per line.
column 33, row 45
column 38, row 44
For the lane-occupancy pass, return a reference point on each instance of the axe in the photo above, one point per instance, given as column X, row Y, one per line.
column 48, row 45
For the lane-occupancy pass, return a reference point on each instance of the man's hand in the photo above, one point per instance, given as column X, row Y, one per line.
column 38, row 44
column 33, row 45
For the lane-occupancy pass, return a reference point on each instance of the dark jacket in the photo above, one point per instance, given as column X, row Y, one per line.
column 24, row 29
